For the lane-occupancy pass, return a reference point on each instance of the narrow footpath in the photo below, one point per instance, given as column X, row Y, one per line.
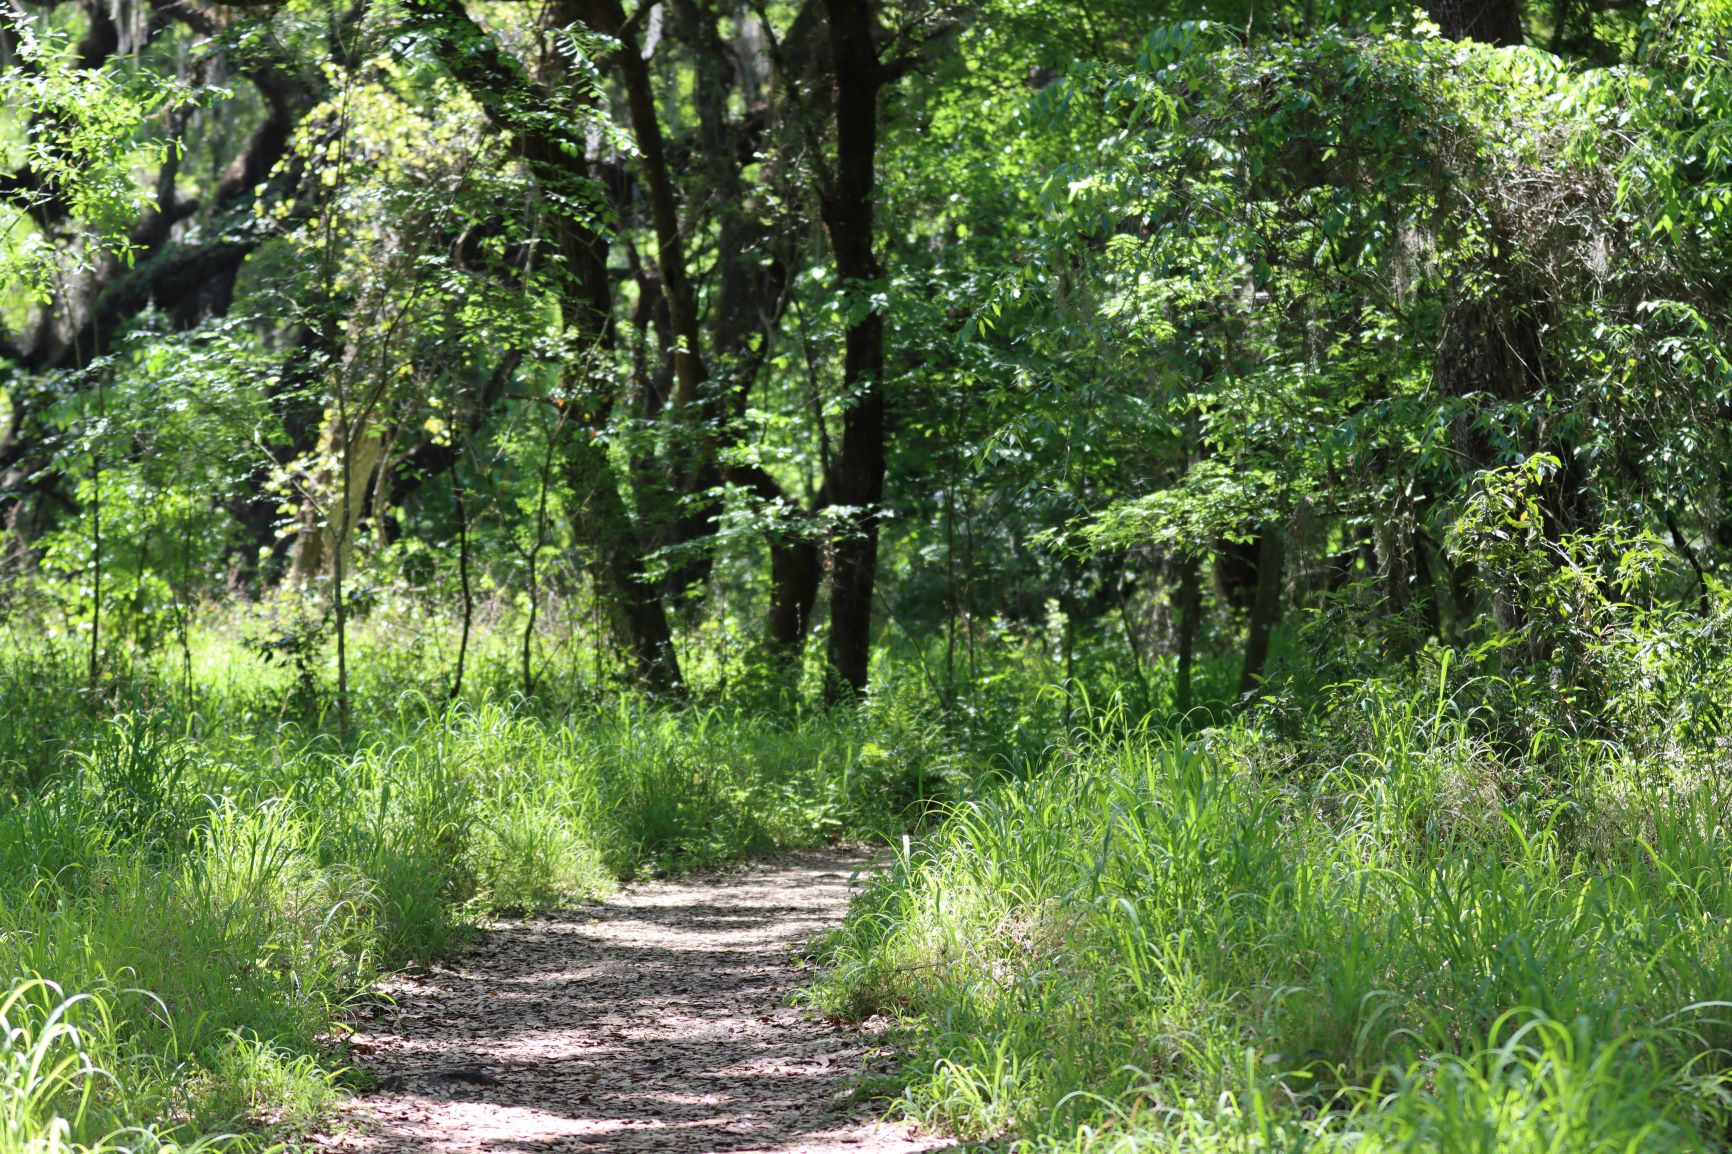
column 655, row 1021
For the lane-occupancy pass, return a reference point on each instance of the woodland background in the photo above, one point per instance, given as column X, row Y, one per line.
column 1244, row 486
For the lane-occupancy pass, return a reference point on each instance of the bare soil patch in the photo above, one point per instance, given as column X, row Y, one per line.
column 652, row 1022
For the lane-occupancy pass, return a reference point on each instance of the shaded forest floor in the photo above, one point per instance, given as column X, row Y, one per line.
column 656, row 1020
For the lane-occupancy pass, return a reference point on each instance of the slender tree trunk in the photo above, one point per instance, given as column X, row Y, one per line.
column 462, row 578
column 526, row 646
column 1190, row 611
column 183, row 609
column 950, row 584
column 694, row 467
column 96, row 538
column 339, row 562
column 858, row 481
column 1265, row 608
column 1129, row 622
column 690, row 371
column 1682, row 544
column 1394, row 554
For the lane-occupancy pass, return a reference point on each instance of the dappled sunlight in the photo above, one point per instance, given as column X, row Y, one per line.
column 656, row 1021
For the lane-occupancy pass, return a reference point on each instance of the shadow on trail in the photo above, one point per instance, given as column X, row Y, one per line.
column 654, row 1022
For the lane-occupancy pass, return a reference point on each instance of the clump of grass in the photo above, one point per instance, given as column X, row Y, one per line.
column 1171, row 943
column 48, row 1078
column 534, row 849
column 254, row 1085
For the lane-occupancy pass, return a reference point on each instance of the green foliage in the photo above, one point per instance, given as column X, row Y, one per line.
column 370, row 441
column 1383, row 942
column 78, row 131
column 195, row 890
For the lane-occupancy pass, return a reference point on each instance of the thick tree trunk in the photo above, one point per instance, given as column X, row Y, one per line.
column 332, row 504
column 1394, row 545
column 1265, row 608
column 796, row 570
column 1234, row 569
column 635, row 612
column 1428, row 591
column 611, row 539
column 857, row 481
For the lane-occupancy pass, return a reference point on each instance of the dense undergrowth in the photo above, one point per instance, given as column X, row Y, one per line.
column 198, row 877
column 1430, row 906
column 1383, row 927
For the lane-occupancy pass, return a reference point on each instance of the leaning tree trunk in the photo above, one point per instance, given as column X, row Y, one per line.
column 857, row 481
column 334, row 499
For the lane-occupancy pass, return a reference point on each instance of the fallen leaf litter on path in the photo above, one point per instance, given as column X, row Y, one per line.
column 652, row 1022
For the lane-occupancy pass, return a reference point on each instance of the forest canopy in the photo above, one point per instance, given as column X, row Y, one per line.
column 804, row 320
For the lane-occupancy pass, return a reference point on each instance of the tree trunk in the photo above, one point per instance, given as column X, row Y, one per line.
column 1190, row 597
column 796, row 570
column 331, row 511
column 1394, row 546
column 635, row 613
column 1682, row 544
column 1430, row 592
column 857, row 483
column 690, row 371
column 1265, row 609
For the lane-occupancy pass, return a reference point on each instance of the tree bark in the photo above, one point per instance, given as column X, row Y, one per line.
column 1190, row 598
column 746, row 304
column 796, row 569
column 690, row 371
column 1265, row 608
column 334, row 500
column 634, row 609
column 857, row 483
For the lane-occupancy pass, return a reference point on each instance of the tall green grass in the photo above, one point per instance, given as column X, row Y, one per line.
column 195, row 888
column 1413, row 940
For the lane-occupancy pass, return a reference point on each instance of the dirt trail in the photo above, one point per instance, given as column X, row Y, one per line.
column 652, row 1022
